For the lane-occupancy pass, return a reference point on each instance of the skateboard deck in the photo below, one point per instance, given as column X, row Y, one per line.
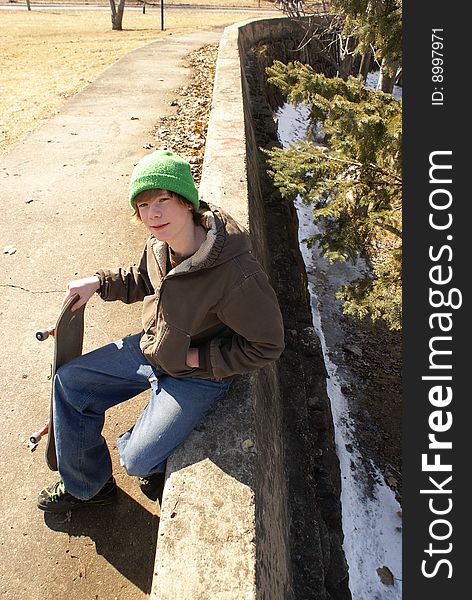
column 68, row 341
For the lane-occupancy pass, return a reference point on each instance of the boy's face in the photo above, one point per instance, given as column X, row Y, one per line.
column 165, row 216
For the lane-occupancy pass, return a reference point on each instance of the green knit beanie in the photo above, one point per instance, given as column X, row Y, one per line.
column 163, row 170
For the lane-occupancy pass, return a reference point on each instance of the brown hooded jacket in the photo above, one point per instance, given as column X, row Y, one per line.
column 218, row 300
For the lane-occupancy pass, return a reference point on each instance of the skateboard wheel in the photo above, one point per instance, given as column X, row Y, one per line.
column 35, row 438
column 42, row 335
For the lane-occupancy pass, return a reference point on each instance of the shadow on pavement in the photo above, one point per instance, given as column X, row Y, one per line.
column 125, row 534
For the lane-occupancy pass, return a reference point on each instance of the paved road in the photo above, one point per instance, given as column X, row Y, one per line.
column 63, row 193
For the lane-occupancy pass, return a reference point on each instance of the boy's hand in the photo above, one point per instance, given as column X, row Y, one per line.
column 192, row 358
column 85, row 288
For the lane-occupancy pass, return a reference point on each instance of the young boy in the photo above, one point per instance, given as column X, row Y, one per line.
column 209, row 314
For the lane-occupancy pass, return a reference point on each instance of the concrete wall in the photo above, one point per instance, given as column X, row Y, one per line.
column 231, row 527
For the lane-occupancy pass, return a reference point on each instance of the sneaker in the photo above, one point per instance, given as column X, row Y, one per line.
column 152, row 485
column 56, row 498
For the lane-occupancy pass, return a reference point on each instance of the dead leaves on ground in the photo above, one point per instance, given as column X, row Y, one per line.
column 185, row 131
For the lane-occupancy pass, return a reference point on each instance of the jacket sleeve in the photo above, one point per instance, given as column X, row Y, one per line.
column 252, row 312
column 126, row 284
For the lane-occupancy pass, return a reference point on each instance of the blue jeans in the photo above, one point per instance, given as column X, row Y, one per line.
column 83, row 390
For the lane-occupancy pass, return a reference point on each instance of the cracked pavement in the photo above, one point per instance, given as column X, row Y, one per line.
column 64, row 197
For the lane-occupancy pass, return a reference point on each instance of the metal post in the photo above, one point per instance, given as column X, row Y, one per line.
column 162, row 15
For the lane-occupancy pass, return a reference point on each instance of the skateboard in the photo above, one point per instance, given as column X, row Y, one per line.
column 68, row 336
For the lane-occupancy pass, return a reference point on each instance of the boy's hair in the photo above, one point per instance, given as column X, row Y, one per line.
column 197, row 214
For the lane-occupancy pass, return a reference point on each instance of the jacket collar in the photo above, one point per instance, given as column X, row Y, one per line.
column 203, row 257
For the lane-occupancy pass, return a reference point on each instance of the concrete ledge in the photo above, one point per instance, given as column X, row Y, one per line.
column 206, row 542
column 226, row 522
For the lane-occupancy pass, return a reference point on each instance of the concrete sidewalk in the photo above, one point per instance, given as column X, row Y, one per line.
column 63, row 194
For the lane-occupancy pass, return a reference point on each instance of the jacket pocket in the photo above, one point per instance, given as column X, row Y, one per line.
column 171, row 351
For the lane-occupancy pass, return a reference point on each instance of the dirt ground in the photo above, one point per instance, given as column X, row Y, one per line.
column 374, row 356
column 49, row 56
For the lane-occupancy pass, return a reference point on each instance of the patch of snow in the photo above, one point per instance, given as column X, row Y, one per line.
column 372, row 80
column 371, row 517
column 292, row 123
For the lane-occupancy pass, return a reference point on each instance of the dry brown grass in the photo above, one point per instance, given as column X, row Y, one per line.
column 48, row 56
column 105, row 3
